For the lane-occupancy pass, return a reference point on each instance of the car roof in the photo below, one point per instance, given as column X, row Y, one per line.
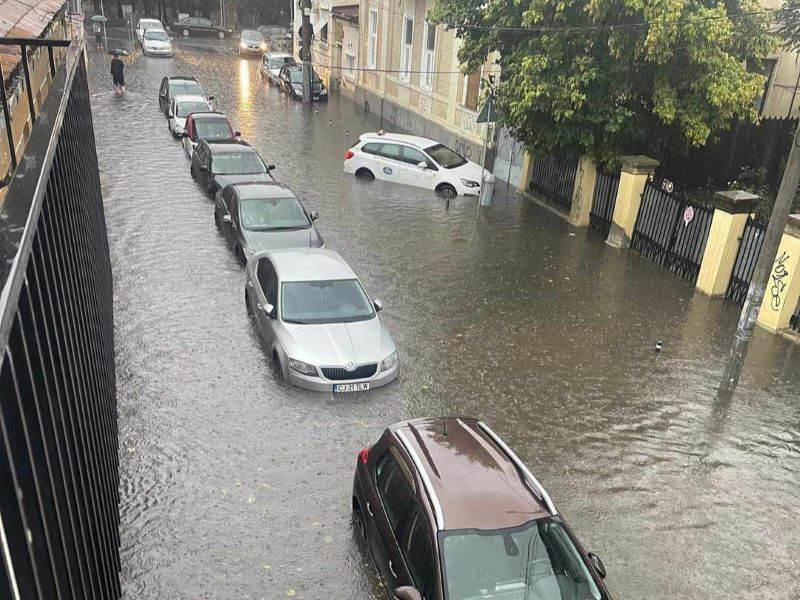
column 188, row 98
column 263, row 189
column 179, row 78
column 309, row 264
column 149, row 21
column 475, row 482
column 414, row 140
column 207, row 114
column 278, row 55
column 228, row 145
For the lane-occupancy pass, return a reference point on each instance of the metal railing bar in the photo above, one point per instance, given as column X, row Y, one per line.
column 27, row 73
column 19, row 41
column 7, row 118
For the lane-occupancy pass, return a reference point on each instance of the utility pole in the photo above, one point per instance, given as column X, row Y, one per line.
column 305, row 50
column 763, row 268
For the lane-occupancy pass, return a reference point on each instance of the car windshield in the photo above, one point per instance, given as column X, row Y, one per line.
column 270, row 214
column 277, row 63
column 446, row 157
column 535, row 561
column 253, row 36
column 238, row 163
column 156, row 34
column 147, row 23
column 296, row 75
column 184, row 108
column 186, row 88
column 314, row 302
column 212, row 129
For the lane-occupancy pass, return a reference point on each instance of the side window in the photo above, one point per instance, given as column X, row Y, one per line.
column 265, row 271
column 272, row 290
column 418, row 553
column 394, row 489
column 413, row 156
column 392, row 151
column 371, row 148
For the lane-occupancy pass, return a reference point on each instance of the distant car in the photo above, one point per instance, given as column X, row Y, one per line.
column 252, row 42
column 206, row 126
column 180, row 108
column 322, row 329
column 278, row 38
column 199, row 26
column 264, row 216
column 217, row 163
column 178, row 86
column 143, row 25
column 413, row 160
column 449, row 512
column 156, row 42
column 272, row 62
column 290, row 81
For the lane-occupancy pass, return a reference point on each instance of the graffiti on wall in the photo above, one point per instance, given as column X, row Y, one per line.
column 778, row 279
column 463, row 148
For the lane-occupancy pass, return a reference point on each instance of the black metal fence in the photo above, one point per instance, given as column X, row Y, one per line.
column 604, row 200
column 672, row 229
column 555, row 179
column 59, row 519
column 746, row 257
column 794, row 322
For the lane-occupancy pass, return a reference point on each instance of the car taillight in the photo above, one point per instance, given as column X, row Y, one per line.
column 349, row 154
column 363, row 456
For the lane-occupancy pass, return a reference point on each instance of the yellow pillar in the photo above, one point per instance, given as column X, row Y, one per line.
column 583, row 192
column 525, row 171
column 731, row 210
column 783, row 286
column 636, row 170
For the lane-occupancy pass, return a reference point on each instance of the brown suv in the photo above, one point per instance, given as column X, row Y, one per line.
column 450, row 513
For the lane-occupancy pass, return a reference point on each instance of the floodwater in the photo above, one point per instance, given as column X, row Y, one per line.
column 235, row 486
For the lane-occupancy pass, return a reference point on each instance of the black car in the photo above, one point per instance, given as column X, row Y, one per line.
column 290, row 81
column 178, row 86
column 217, row 163
column 200, row 26
column 264, row 216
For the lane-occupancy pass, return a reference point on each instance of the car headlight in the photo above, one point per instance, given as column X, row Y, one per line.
column 388, row 362
column 263, row 45
column 470, row 184
column 242, row 45
column 301, row 367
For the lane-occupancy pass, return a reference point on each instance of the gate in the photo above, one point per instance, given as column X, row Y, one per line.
column 555, row 179
column 746, row 257
column 604, row 200
column 59, row 478
column 672, row 230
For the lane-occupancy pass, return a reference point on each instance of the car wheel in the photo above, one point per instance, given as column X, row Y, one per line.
column 248, row 304
column 217, row 224
column 283, row 369
column 240, row 255
column 358, row 516
column 365, row 174
column 192, row 171
column 446, row 190
column 221, row 35
column 185, row 33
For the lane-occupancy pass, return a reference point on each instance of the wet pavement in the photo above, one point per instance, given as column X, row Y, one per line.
column 235, row 486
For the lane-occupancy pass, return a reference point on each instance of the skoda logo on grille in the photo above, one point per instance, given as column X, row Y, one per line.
column 350, row 366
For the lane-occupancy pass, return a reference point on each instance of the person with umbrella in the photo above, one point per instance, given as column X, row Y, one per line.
column 118, row 73
column 98, row 36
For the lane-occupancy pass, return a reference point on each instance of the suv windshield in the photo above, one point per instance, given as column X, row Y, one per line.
column 446, row 157
column 537, row 560
column 185, row 88
column 156, row 34
column 250, row 35
column 184, row 108
column 270, row 214
column 237, row 163
column 312, row 302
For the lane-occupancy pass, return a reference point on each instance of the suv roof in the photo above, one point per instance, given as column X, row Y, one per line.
column 414, row 140
column 309, row 264
column 472, row 479
column 263, row 189
column 207, row 114
column 227, row 145
column 181, row 78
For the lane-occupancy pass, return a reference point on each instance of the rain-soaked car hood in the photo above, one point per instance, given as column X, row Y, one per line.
column 337, row 344
column 308, row 237
column 223, row 180
column 470, row 170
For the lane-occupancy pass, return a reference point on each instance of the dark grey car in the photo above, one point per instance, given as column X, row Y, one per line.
column 217, row 163
column 264, row 216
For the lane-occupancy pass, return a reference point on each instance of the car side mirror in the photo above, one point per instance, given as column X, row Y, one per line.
column 237, row 134
column 378, row 305
column 269, row 309
column 313, row 215
column 170, row 114
column 227, row 218
column 406, row 592
column 183, row 134
column 210, row 98
column 422, row 164
column 270, row 167
column 597, row 564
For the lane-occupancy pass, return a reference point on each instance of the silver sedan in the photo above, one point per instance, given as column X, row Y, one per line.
column 322, row 330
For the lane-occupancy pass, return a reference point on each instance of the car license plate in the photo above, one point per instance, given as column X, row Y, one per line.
column 351, row 387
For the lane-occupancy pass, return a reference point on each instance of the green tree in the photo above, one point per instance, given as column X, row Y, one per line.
column 613, row 77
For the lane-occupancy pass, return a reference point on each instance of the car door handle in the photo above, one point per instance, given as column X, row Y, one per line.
column 259, row 306
column 249, row 284
column 369, row 509
column 391, row 568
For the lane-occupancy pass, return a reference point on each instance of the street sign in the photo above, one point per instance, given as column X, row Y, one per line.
column 488, row 113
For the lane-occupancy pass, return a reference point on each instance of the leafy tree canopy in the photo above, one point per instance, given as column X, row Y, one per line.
column 614, row 77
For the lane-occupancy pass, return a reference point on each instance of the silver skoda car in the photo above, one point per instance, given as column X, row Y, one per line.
column 318, row 322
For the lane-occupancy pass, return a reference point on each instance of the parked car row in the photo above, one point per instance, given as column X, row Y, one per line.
column 152, row 37
column 280, row 69
column 321, row 327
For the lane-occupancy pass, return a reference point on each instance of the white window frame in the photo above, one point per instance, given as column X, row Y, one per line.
column 372, row 38
column 407, row 50
column 428, row 59
column 349, row 66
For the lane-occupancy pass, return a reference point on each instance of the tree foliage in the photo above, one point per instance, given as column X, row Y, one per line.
column 614, row 77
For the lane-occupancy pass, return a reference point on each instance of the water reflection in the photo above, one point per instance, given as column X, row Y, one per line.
column 244, row 84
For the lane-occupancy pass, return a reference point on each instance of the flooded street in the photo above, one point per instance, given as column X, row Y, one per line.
column 237, row 486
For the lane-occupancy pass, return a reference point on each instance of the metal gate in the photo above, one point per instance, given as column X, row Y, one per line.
column 672, row 229
column 59, row 478
column 604, row 200
column 555, row 179
column 746, row 257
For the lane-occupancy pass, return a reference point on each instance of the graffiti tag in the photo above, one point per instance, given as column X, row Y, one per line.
column 779, row 274
column 463, row 148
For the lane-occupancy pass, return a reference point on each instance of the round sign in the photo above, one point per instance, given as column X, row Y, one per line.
column 688, row 215
column 387, row 170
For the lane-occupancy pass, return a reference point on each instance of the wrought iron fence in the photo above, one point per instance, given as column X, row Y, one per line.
column 746, row 257
column 59, row 534
column 555, row 179
column 604, row 200
column 794, row 322
column 672, row 229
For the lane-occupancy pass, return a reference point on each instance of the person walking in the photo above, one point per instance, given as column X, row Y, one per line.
column 118, row 74
column 98, row 36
